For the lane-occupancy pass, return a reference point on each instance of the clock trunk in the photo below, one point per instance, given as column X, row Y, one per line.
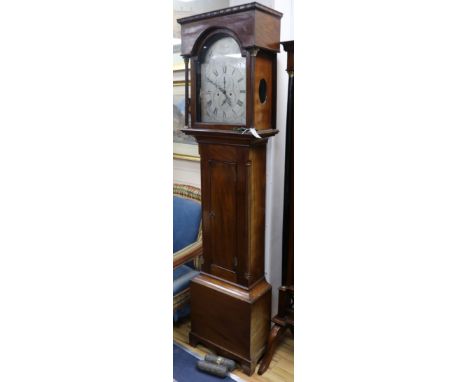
column 233, row 199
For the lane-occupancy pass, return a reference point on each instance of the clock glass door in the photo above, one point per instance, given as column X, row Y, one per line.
column 222, row 82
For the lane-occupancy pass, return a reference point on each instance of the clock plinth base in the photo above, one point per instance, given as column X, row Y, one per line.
column 232, row 321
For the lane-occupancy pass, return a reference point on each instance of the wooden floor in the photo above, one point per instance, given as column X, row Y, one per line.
column 281, row 367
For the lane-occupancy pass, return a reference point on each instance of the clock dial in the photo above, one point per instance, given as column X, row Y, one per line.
column 223, row 83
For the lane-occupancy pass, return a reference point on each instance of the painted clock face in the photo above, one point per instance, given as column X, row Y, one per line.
column 223, row 83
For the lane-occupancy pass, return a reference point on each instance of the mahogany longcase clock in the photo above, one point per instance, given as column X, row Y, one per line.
column 232, row 54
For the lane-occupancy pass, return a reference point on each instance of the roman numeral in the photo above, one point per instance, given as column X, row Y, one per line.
column 240, row 79
column 242, row 91
column 215, row 111
column 224, row 114
column 209, row 103
column 239, row 102
column 224, row 69
column 215, row 72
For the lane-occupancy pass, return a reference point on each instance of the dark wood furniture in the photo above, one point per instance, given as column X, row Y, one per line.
column 195, row 250
column 285, row 317
column 231, row 300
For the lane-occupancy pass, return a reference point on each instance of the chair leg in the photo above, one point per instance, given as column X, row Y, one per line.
column 275, row 334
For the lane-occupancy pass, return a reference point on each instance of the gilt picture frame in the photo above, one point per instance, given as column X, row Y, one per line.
column 184, row 146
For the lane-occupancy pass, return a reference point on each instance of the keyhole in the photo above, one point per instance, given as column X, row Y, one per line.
column 262, row 90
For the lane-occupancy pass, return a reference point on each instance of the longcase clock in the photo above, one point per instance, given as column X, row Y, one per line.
column 232, row 54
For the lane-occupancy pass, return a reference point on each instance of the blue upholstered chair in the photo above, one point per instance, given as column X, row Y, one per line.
column 186, row 245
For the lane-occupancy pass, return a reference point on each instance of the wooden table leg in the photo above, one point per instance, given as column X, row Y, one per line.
column 275, row 334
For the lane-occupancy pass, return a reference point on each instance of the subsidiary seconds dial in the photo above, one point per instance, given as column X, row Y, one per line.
column 223, row 83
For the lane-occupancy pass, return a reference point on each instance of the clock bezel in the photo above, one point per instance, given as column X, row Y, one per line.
column 210, row 37
column 203, row 59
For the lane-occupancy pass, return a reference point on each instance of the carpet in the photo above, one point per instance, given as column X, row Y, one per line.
column 185, row 368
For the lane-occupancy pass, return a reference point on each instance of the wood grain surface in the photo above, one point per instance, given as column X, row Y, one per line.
column 281, row 367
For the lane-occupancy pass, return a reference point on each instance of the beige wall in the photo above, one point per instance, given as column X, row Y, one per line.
column 187, row 172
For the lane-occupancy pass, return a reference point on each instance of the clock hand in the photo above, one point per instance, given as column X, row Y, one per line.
column 218, row 87
column 227, row 99
column 221, row 90
column 214, row 83
column 224, row 92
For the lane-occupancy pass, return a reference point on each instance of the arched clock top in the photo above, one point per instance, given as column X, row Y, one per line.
column 254, row 24
column 209, row 37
